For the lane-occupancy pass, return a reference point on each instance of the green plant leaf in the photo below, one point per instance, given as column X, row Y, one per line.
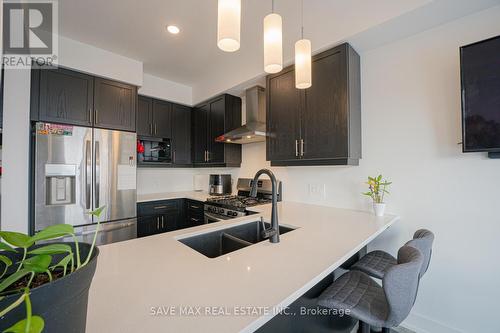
column 53, row 232
column 5, row 260
column 13, row 278
column 16, row 238
column 52, row 249
column 64, row 262
column 98, row 211
column 36, row 326
column 6, row 247
column 38, row 264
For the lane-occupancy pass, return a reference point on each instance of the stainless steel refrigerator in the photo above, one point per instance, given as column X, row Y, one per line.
column 79, row 169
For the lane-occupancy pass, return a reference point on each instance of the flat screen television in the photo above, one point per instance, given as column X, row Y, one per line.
column 480, row 76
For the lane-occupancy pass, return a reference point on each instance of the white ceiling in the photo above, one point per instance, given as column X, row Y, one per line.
column 136, row 29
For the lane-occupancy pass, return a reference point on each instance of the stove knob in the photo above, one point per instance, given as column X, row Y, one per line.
column 235, row 214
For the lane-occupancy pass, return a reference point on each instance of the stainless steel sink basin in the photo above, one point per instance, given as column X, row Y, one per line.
column 220, row 242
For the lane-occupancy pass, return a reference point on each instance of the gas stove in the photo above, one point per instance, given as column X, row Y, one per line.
column 232, row 206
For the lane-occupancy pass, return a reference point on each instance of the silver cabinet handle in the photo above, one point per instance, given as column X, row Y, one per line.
column 88, row 171
column 90, row 115
column 208, row 156
column 97, row 174
column 96, row 116
column 157, row 223
column 159, row 207
column 301, row 147
column 194, row 207
column 173, row 156
column 151, row 128
column 195, row 220
column 162, row 221
column 296, row 148
column 156, row 129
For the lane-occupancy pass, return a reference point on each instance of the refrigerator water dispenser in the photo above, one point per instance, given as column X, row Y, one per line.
column 60, row 184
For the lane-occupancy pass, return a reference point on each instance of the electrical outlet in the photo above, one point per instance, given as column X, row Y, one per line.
column 317, row 191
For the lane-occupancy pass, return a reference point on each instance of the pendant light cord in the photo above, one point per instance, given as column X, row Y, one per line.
column 272, row 6
column 302, row 18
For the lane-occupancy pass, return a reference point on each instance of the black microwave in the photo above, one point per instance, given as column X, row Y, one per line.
column 154, row 151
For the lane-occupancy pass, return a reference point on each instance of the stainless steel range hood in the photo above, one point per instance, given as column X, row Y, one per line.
column 255, row 128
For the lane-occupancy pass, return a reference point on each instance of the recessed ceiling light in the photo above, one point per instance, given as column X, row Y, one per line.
column 173, row 29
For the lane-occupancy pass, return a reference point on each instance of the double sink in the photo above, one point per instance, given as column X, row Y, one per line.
column 220, row 242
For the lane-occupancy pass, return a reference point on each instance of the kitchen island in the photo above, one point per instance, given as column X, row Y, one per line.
column 158, row 284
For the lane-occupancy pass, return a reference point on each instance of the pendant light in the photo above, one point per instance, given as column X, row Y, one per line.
column 273, row 42
column 303, row 75
column 228, row 25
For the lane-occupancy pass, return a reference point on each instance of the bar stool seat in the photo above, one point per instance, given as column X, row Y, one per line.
column 362, row 296
column 375, row 263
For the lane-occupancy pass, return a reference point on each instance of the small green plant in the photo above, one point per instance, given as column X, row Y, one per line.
column 377, row 188
column 36, row 266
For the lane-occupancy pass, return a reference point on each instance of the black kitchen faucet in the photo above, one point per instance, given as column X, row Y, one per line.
column 272, row 233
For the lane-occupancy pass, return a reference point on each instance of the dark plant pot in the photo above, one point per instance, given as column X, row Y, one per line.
column 63, row 303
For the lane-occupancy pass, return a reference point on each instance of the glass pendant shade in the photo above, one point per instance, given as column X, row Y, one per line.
column 273, row 43
column 303, row 76
column 228, row 25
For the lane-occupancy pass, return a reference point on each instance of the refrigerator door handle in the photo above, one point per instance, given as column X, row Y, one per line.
column 97, row 174
column 88, row 167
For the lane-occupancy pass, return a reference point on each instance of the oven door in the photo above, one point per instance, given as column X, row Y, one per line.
column 212, row 218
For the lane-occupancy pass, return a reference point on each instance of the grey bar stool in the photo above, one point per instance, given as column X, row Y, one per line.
column 371, row 304
column 376, row 263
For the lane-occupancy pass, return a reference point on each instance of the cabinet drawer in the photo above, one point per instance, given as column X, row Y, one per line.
column 157, row 207
column 194, row 205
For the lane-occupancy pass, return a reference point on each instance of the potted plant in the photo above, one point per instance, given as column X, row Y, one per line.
column 52, row 280
column 377, row 188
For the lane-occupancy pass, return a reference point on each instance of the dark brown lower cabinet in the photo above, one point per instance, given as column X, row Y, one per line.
column 159, row 217
column 168, row 215
column 320, row 125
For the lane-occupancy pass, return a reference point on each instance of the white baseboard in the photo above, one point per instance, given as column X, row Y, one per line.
column 422, row 324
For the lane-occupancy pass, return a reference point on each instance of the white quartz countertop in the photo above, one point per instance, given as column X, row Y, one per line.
column 143, row 285
column 193, row 195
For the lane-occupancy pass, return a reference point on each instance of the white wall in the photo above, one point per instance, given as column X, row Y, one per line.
column 90, row 59
column 411, row 126
column 15, row 152
column 167, row 90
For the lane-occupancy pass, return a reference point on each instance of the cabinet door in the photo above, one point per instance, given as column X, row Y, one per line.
column 216, row 128
column 283, row 117
column 199, row 134
column 181, row 134
column 66, row 97
column 145, row 116
column 169, row 221
column 115, row 105
column 162, row 119
column 147, row 226
column 325, row 117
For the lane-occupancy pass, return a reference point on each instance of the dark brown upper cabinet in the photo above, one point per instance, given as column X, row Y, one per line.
column 115, row 105
column 212, row 119
column 320, row 125
column 66, row 97
column 145, row 116
column 69, row 97
column 181, row 134
column 162, row 119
